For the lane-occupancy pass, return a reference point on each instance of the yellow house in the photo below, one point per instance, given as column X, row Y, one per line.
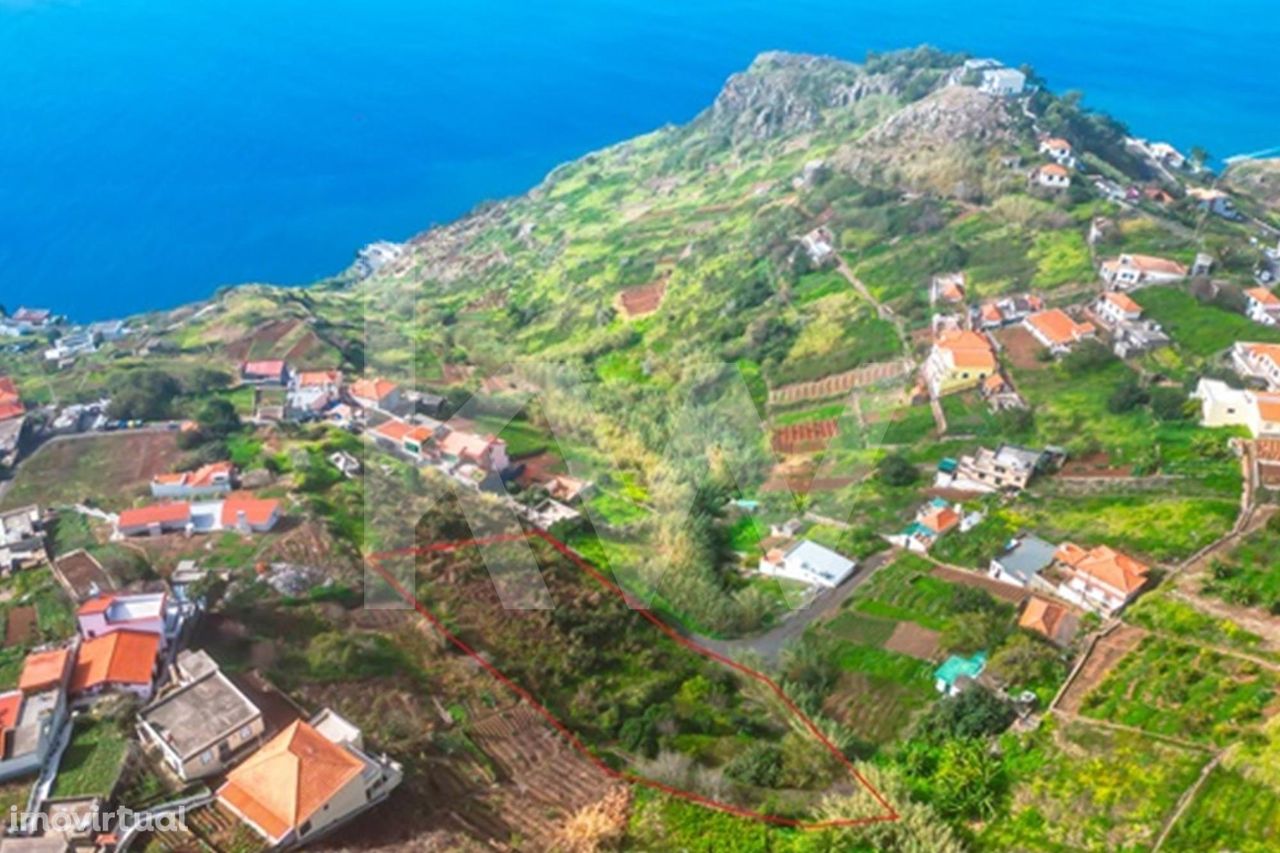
column 959, row 360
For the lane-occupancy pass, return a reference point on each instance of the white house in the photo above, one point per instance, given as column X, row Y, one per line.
column 808, row 562
column 146, row 612
column 1052, row 176
column 1057, row 149
column 1022, row 561
column 1129, row 270
column 1262, row 306
column 1257, row 361
column 1213, row 200
column 204, row 723
column 1115, row 308
column 1222, row 405
column 1002, row 82
column 1101, row 579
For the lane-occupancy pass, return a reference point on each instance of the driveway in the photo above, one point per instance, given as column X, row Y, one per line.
column 827, row 603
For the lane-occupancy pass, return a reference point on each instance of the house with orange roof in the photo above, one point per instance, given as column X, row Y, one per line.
column 1257, row 361
column 1056, row 330
column 376, row 393
column 958, row 361
column 155, row 520
column 269, row 372
column 212, row 479
column 1114, row 307
column 416, row 440
column 239, row 511
column 310, row 779
column 1100, row 579
column 933, row 521
column 1221, row 405
column 119, row 662
column 1262, row 306
column 484, row 451
column 245, row 513
column 32, row 715
column 311, row 393
column 1053, row 176
column 947, row 289
column 1057, row 148
column 10, row 401
column 1049, row 619
column 1129, row 271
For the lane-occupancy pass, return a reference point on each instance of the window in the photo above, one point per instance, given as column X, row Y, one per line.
column 305, row 828
column 246, row 733
column 206, row 757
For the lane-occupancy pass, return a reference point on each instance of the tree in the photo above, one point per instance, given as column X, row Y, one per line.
column 1169, row 404
column 1128, row 396
column 1025, row 661
column 145, row 395
column 968, row 780
column 760, row 764
column 971, row 632
column 975, row 713
column 895, row 469
column 218, row 418
column 1087, row 357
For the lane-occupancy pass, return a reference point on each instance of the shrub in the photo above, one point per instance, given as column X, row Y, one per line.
column 896, row 470
column 761, row 764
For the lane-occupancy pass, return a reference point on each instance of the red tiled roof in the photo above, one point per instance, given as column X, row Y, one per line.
column 169, row 513
column 263, row 368
column 10, row 706
column 293, row 776
column 1042, row 616
column 121, row 657
column 1122, row 301
column 393, row 429
column 1054, row 169
column 1106, row 565
column 97, row 604
column 1058, row 327
column 10, row 402
column 43, row 670
column 968, row 349
column 1264, row 296
column 257, row 511
column 319, row 378
column 372, row 389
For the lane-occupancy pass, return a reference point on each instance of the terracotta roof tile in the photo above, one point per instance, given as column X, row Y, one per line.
column 289, row 779
column 121, row 657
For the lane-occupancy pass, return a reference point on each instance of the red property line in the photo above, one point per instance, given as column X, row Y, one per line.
column 631, row 778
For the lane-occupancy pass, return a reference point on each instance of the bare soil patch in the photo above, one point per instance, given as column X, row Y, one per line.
column 111, row 467
column 805, row 438
column 1020, row 347
column 642, row 299
column 21, row 628
column 910, row 639
column 1003, row 591
column 1094, row 465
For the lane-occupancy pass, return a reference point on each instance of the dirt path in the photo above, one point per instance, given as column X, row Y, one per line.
column 884, row 311
column 1105, row 652
column 1185, row 800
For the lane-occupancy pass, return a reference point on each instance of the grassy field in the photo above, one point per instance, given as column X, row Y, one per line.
column 111, row 469
column 1184, row 691
column 1247, row 576
column 1229, row 812
column 1082, row 788
column 1201, row 330
column 1157, row 525
column 93, row 760
column 1161, row 612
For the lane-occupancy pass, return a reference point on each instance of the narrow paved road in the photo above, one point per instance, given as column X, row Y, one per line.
column 770, row 644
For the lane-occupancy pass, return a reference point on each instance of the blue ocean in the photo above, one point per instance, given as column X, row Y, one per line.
column 152, row 151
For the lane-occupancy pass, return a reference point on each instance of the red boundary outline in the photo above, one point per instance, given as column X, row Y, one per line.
column 375, row 561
